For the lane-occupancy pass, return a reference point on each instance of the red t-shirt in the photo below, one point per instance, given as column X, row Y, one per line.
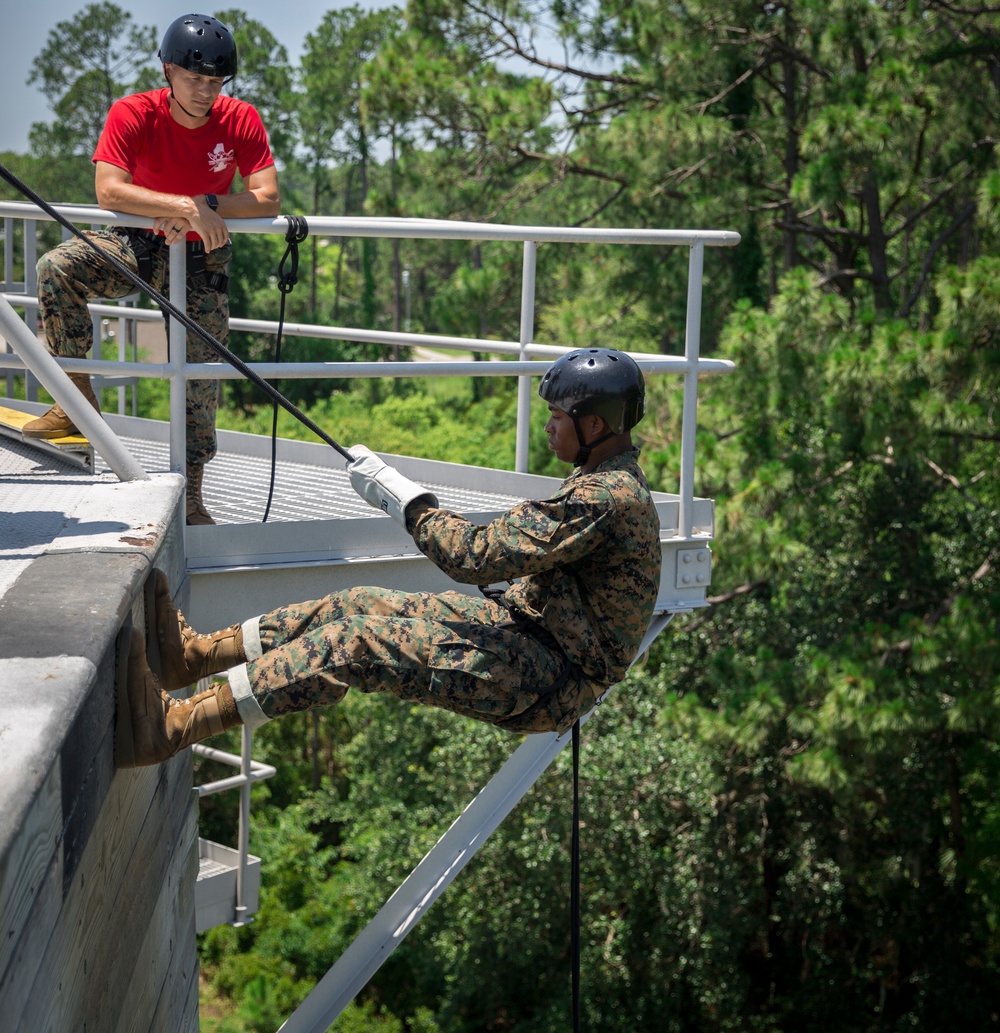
column 141, row 137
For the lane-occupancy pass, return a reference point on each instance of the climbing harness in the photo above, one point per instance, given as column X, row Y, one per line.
column 538, row 631
column 165, row 304
column 298, row 230
column 144, row 244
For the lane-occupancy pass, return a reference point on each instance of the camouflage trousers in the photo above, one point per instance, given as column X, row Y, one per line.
column 451, row 650
column 71, row 274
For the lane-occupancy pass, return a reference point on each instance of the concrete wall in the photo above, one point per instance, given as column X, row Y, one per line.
column 97, row 866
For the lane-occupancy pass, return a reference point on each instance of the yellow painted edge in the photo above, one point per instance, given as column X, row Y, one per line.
column 15, row 419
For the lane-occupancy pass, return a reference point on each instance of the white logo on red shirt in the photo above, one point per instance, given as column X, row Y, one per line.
column 220, row 159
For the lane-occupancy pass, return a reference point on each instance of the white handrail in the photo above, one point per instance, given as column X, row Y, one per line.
column 34, row 355
column 404, row 228
column 691, row 366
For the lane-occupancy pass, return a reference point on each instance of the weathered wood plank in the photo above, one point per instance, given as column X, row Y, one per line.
column 92, row 949
column 16, row 986
column 23, row 873
column 154, row 876
column 170, row 990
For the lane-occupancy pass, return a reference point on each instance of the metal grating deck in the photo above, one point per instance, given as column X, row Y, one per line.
column 40, row 492
column 236, row 486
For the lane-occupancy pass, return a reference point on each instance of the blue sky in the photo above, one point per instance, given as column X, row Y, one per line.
column 27, row 25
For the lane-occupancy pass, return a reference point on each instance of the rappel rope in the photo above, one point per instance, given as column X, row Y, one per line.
column 165, row 303
column 574, row 881
column 496, row 594
column 298, row 230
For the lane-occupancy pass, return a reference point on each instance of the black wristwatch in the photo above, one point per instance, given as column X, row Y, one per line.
column 212, row 201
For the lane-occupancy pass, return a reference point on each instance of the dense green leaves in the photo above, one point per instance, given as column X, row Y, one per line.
column 790, row 819
column 86, row 64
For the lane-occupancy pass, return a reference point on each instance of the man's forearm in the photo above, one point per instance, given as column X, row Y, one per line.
column 247, row 204
column 136, row 200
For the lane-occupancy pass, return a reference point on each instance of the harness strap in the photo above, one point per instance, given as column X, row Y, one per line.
column 140, row 243
column 145, row 243
column 526, row 626
column 198, row 276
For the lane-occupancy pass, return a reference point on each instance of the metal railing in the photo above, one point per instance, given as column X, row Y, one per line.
column 250, row 771
column 503, row 791
column 522, row 354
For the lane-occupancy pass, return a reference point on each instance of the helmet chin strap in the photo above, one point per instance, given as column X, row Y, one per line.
column 584, row 454
column 173, row 97
column 190, row 114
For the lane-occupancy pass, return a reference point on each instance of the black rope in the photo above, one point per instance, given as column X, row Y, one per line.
column 155, row 296
column 574, row 905
column 298, row 230
column 234, row 360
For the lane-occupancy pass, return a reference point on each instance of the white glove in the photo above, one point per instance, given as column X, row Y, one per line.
column 383, row 487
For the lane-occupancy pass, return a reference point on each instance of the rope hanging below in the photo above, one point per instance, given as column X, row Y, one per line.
column 298, row 230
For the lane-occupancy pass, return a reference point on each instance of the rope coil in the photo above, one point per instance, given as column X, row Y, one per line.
column 298, row 230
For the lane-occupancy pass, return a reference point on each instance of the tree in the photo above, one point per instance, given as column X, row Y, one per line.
column 265, row 79
column 839, row 138
column 844, row 674
column 87, row 63
column 334, row 124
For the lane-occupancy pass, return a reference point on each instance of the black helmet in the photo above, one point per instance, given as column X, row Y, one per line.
column 200, row 44
column 598, row 381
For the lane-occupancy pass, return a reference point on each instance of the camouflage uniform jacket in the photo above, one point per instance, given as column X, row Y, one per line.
column 587, row 560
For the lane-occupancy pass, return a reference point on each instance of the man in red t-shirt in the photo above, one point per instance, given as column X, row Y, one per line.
column 170, row 154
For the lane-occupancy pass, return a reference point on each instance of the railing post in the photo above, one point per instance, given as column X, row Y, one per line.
column 8, row 254
column 243, row 834
column 177, row 346
column 126, row 328
column 8, row 284
column 689, row 417
column 526, row 337
column 30, row 287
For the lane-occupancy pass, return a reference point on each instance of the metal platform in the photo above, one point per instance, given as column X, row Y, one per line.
column 319, row 537
column 216, row 886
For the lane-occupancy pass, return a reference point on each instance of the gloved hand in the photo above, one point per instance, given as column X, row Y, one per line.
column 383, row 487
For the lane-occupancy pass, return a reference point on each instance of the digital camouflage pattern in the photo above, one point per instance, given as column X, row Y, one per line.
column 588, row 564
column 72, row 274
column 450, row 650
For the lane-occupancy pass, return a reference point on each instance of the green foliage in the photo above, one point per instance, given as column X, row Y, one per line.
column 444, row 421
column 790, row 814
column 87, row 63
column 859, row 672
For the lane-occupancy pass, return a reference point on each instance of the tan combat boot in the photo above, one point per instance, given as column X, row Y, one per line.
column 186, row 656
column 151, row 726
column 56, row 423
column 196, row 511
